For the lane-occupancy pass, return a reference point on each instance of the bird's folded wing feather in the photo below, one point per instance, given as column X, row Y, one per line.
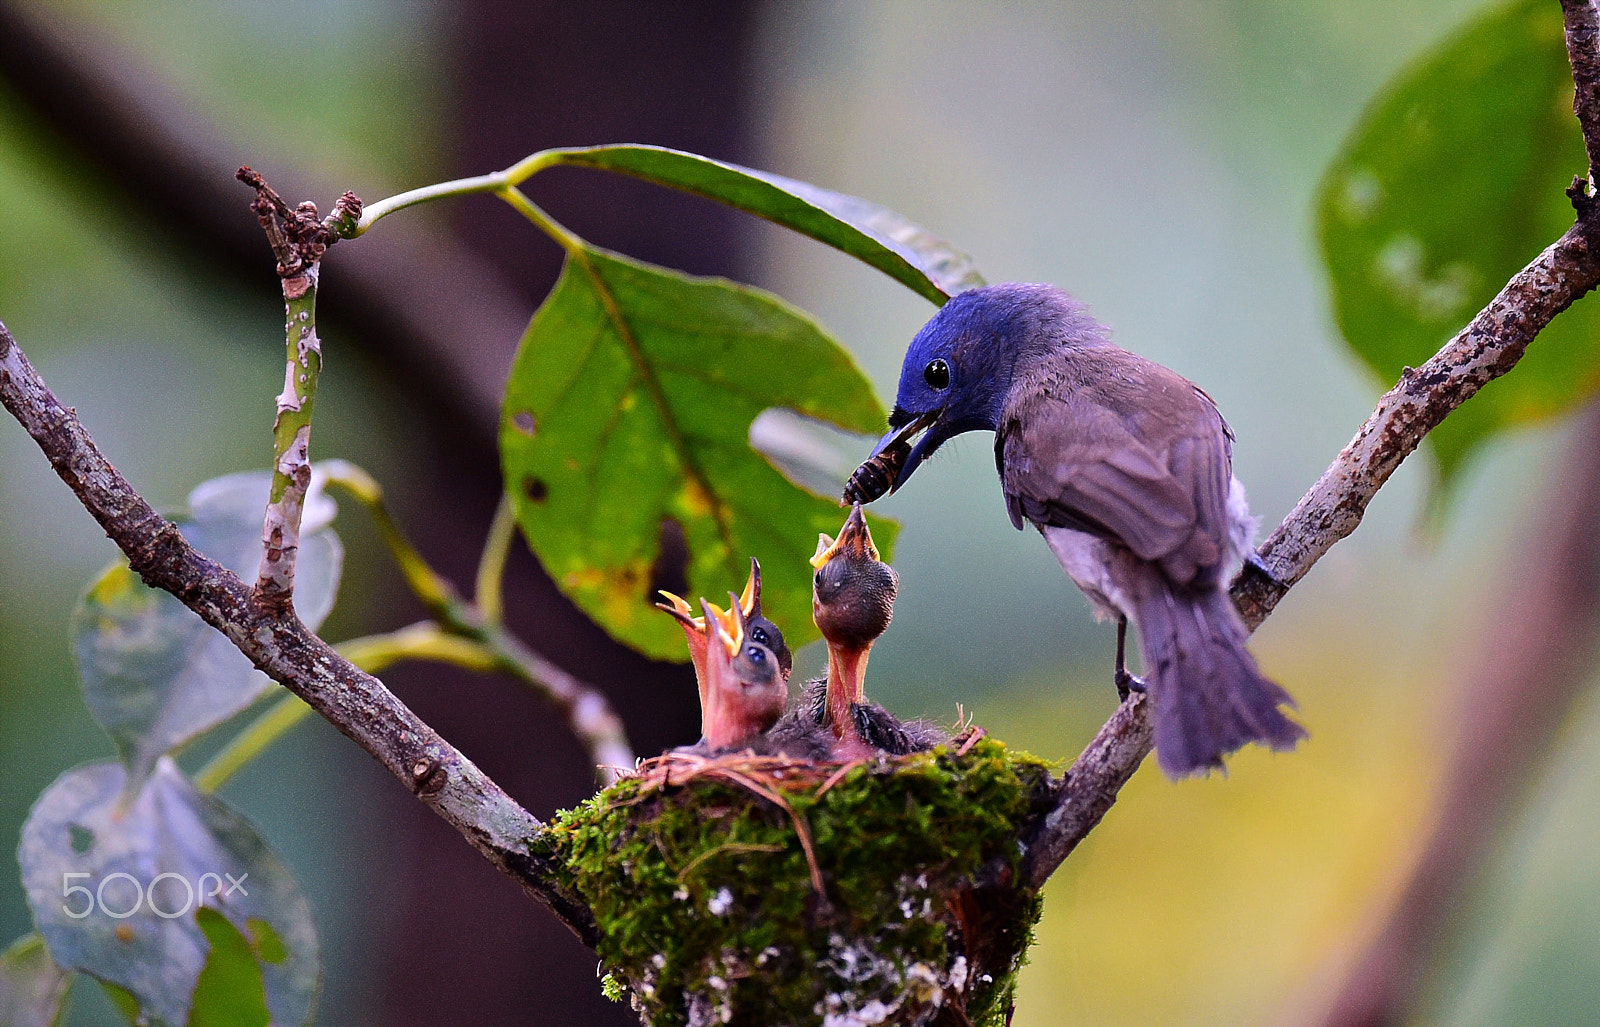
column 1071, row 463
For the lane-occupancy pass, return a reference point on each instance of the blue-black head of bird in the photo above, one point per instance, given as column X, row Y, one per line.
column 758, row 627
column 958, row 372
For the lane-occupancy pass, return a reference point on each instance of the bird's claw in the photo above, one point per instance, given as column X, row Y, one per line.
column 1127, row 683
column 1253, row 560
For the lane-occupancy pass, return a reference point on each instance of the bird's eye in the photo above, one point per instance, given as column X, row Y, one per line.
column 760, row 635
column 756, row 656
column 937, row 374
column 816, row 579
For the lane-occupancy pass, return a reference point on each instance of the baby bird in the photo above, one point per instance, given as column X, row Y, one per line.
column 761, row 630
column 852, row 601
column 745, row 692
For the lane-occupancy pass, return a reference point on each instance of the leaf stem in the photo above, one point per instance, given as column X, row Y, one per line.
column 589, row 713
column 371, row 653
column 488, row 591
column 267, row 728
column 494, row 182
column 547, row 224
column 436, row 593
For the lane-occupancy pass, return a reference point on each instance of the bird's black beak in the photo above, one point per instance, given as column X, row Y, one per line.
column 901, row 437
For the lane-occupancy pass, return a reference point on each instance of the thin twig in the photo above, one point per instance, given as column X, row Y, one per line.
column 298, row 240
column 276, row 642
column 590, row 715
column 488, row 592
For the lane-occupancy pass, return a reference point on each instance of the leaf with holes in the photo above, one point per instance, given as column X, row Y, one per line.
column 114, row 878
column 629, row 407
column 1453, row 181
column 905, row 251
column 155, row 674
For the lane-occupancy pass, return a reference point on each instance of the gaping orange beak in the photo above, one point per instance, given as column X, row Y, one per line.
column 726, row 626
column 854, row 541
column 679, row 608
column 750, row 599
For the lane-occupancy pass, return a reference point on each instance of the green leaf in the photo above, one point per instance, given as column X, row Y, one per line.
column 154, row 674
column 910, row 254
column 153, row 855
column 33, row 990
column 229, row 992
column 630, row 404
column 1453, row 181
column 122, row 1001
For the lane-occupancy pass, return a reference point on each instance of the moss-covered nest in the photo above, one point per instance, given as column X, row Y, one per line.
column 704, row 878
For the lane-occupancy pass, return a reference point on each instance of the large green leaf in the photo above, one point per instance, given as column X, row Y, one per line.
column 630, row 404
column 114, row 877
column 33, row 990
column 901, row 249
column 155, row 674
column 1452, row 182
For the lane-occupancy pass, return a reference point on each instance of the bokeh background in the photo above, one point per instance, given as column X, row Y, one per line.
column 1157, row 158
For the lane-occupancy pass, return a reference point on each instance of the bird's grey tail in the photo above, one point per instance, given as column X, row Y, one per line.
column 1208, row 695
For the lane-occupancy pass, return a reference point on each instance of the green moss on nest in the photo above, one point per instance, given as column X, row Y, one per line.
column 703, row 890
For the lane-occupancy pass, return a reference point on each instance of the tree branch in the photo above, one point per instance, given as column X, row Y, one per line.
column 1484, row 350
column 1583, row 52
column 275, row 641
column 298, row 240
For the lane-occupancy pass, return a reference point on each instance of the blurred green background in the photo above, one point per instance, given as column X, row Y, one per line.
column 1156, row 158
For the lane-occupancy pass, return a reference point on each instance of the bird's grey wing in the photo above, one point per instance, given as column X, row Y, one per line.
column 1070, row 463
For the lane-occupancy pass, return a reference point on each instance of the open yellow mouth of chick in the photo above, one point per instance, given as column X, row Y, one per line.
column 681, row 609
column 728, row 625
column 855, row 540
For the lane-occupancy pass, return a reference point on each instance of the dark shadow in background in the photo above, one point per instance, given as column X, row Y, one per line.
column 442, row 314
column 529, row 77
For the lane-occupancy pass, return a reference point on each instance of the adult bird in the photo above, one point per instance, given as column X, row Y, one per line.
column 852, row 601
column 1126, row 469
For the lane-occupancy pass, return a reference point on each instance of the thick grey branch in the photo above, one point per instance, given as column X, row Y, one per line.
column 1583, row 52
column 275, row 641
column 1486, row 349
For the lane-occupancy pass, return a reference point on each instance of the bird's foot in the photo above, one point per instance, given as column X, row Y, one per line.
column 1253, row 561
column 1127, row 683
